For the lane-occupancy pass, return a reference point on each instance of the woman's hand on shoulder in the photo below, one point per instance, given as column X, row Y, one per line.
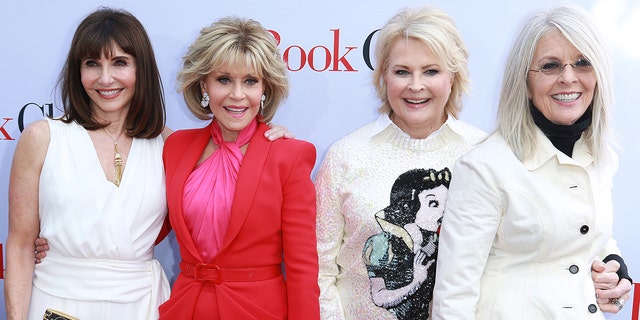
column 276, row 132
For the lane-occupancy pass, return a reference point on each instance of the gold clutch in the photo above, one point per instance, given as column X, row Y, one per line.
column 51, row 314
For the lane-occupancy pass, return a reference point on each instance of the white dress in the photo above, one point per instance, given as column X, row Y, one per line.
column 101, row 237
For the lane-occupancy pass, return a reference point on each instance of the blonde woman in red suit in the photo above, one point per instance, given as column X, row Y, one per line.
column 240, row 205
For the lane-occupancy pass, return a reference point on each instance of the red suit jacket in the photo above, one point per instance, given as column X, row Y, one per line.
column 272, row 219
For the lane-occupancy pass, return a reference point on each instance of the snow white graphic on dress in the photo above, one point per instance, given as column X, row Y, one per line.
column 401, row 259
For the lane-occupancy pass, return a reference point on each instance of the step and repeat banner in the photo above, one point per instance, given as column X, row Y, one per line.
column 327, row 43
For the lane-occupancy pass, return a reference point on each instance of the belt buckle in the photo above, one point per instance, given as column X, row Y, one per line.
column 201, row 272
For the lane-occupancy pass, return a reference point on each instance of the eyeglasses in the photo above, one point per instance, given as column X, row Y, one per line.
column 555, row 68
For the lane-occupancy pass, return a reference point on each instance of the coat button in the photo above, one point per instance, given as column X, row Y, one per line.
column 574, row 269
column 584, row 229
column 593, row 308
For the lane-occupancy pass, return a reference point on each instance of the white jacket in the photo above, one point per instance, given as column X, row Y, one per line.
column 518, row 238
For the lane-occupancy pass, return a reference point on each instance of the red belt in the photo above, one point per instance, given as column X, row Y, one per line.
column 213, row 273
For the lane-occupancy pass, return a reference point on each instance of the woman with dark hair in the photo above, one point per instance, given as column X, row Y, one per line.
column 92, row 183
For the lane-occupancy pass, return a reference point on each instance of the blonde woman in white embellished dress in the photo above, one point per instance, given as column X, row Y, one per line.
column 378, row 216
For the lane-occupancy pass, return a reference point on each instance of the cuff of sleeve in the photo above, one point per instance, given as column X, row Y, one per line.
column 622, row 272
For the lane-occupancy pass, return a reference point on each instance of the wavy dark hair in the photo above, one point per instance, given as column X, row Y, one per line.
column 99, row 34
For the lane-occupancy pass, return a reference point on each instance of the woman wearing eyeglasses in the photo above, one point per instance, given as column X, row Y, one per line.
column 529, row 215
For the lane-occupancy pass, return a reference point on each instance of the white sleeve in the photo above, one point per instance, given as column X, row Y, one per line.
column 329, row 232
column 471, row 220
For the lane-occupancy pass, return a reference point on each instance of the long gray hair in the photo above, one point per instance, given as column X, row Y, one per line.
column 515, row 122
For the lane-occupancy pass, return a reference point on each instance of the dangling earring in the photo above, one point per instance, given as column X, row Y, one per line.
column 205, row 100
column 262, row 105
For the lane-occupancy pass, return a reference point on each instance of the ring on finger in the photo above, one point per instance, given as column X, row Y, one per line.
column 618, row 302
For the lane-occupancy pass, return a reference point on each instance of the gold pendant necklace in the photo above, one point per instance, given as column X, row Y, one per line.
column 117, row 161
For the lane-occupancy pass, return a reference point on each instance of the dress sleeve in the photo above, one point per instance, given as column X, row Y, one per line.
column 330, row 230
column 298, row 234
column 469, row 226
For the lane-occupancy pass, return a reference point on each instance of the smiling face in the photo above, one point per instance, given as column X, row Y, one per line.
column 562, row 98
column 109, row 81
column 418, row 88
column 234, row 92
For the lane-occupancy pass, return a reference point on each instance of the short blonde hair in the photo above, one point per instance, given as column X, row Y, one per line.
column 437, row 30
column 515, row 122
column 228, row 41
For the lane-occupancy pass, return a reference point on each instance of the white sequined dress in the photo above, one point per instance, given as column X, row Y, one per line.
column 353, row 185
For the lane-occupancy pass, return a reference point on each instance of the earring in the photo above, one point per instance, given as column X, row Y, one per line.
column 205, row 100
column 262, row 105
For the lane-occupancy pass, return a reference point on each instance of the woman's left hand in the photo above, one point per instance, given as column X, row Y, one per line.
column 609, row 288
column 276, row 132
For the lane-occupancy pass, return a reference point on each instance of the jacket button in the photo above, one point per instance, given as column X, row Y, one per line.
column 584, row 229
column 593, row 308
column 574, row 269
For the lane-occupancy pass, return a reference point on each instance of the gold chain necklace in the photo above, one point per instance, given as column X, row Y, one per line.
column 117, row 160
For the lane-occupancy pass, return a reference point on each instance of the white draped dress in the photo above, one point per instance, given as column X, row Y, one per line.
column 101, row 237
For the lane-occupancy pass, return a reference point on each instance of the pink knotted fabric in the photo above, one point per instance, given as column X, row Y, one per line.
column 208, row 192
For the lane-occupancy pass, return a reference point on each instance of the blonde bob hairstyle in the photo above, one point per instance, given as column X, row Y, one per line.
column 437, row 30
column 515, row 122
column 234, row 41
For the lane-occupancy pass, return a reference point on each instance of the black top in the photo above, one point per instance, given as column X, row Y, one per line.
column 563, row 137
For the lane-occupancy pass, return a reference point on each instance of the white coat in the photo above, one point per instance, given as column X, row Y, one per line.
column 518, row 238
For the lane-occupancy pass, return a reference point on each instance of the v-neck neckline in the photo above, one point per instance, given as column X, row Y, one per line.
column 96, row 159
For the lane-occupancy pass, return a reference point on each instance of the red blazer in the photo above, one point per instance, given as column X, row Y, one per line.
column 272, row 219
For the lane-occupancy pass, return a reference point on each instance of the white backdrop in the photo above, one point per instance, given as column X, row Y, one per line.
column 327, row 100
